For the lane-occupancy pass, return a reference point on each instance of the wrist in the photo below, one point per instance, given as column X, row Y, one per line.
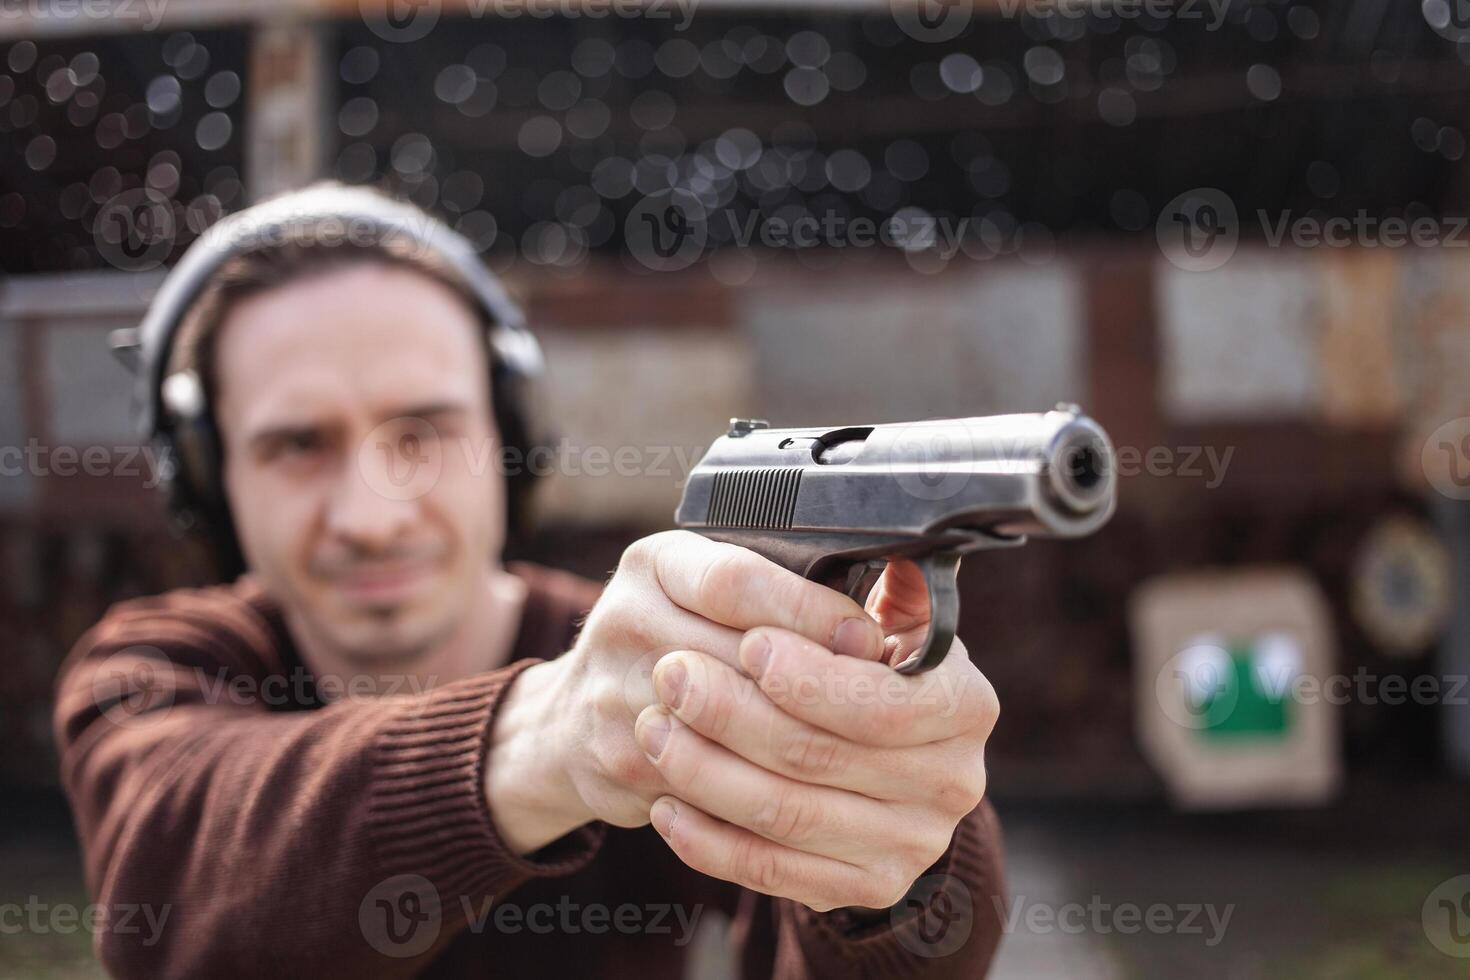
column 530, row 797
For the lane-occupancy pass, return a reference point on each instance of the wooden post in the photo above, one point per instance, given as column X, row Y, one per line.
column 287, row 113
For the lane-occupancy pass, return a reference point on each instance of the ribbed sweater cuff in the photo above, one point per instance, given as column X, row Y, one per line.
column 428, row 812
column 973, row 864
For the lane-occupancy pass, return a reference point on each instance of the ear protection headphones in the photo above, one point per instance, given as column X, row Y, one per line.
column 173, row 410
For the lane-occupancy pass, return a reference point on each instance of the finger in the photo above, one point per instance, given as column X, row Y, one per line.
column 867, row 702
column 900, row 604
column 734, row 854
column 900, row 599
column 815, row 819
column 738, row 588
column 688, row 631
column 725, row 706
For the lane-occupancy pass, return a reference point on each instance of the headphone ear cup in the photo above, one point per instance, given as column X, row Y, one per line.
column 195, row 497
column 524, row 444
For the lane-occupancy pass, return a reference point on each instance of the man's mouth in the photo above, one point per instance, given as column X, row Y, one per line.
column 384, row 584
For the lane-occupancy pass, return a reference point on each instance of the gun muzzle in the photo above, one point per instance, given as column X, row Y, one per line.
column 1078, row 467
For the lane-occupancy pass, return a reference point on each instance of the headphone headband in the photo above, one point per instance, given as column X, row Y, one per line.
column 333, row 212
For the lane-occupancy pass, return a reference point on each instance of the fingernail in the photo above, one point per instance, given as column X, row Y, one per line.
column 653, row 734
column 853, row 638
column 662, row 816
column 669, row 682
column 754, row 654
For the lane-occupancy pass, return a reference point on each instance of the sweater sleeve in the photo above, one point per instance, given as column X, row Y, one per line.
column 949, row 925
column 345, row 841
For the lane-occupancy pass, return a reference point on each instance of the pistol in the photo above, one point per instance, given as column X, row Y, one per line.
column 835, row 505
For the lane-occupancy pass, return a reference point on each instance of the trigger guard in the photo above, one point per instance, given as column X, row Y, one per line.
column 940, row 576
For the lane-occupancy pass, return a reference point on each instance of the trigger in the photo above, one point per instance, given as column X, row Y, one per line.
column 861, row 578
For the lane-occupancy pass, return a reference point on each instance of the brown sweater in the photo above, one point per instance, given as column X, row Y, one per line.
column 254, row 831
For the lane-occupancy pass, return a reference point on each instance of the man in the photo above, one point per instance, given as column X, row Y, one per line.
column 382, row 752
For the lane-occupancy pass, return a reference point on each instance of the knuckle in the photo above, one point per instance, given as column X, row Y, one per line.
column 721, row 588
column 883, row 889
column 960, row 789
column 984, row 702
column 606, row 699
column 647, row 553
column 925, row 843
column 712, row 705
column 897, row 889
column 811, row 753
column 756, row 865
column 927, row 849
column 805, row 602
column 790, row 815
column 626, row 766
column 640, row 554
column 630, row 812
column 888, row 722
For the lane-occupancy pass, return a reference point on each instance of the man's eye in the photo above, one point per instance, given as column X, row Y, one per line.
column 299, row 444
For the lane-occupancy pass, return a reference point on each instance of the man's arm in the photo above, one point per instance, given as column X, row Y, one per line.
column 334, row 842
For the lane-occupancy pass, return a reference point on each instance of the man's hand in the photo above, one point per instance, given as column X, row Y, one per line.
column 831, row 780
column 562, row 751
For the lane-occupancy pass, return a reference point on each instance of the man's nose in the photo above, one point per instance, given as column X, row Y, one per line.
column 370, row 507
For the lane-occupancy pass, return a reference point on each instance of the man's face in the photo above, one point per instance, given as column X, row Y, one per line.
column 359, row 454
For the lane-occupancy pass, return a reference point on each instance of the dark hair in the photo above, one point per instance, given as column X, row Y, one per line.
column 304, row 254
